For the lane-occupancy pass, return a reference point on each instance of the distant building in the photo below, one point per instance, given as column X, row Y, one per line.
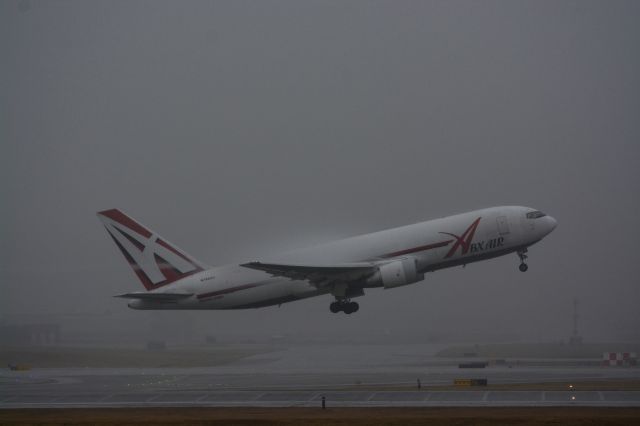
column 30, row 334
column 576, row 338
column 619, row 359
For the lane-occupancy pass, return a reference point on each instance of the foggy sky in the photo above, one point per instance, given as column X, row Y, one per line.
column 238, row 129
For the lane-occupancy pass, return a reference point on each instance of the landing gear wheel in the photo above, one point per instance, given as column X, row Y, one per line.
column 345, row 306
column 521, row 254
column 350, row 308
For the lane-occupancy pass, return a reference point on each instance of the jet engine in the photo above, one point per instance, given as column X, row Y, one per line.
column 398, row 273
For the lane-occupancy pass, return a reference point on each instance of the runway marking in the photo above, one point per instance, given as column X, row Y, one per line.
column 107, row 396
column 601, row 396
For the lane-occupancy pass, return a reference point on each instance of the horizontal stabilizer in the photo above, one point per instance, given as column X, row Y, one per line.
column 160, row 297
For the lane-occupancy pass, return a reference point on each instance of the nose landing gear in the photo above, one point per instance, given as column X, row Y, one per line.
column 345, row 306
column 523, row 266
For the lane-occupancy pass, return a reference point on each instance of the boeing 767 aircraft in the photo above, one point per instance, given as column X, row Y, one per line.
column 392, row 258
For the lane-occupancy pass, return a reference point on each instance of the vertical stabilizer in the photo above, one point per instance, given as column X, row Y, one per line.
column 154, row 260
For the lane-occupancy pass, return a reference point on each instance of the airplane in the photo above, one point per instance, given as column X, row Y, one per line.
column 173, row 279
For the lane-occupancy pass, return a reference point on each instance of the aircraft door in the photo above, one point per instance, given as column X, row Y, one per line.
column 503, row 225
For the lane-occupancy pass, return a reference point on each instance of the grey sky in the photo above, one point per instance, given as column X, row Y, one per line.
column 239, row 128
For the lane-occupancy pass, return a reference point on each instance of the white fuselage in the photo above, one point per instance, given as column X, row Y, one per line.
column 434, row 244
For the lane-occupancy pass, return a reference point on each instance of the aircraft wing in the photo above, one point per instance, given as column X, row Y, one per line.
column 317, row 275
column 158, row 297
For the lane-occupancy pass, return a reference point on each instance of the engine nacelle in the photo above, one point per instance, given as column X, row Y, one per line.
column 399, row 272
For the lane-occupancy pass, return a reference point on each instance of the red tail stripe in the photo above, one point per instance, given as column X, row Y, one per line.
column 132, row 240
column 118, row 216
column 146, row 282
column 170, row 273
column 176, row 252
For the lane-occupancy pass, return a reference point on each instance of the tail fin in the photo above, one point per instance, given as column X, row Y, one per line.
column 155, row 261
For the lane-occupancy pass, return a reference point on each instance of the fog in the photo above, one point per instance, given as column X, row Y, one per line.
column 240, row 129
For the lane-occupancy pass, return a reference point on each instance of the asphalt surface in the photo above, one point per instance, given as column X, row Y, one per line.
column 332, row 398
column 301, row 376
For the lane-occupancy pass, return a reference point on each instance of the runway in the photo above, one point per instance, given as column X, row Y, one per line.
column 332, row 398
column 346, row 376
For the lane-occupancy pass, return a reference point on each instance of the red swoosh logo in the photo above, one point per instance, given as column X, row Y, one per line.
column 463, row 241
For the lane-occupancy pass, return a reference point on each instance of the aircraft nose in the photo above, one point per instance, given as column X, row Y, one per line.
column 552, row 223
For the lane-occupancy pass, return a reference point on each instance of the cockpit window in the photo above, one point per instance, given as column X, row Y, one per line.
column 534, row 215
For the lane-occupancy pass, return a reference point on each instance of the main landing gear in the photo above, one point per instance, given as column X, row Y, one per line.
column 345, row 306
column 523, row 266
